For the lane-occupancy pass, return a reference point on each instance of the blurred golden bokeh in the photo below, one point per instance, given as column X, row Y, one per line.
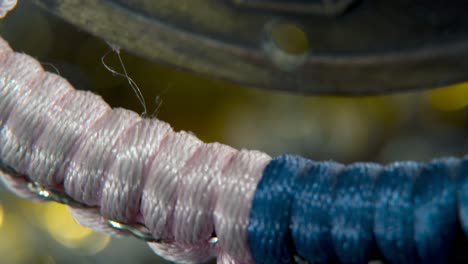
column 14, row 249
column 1, row 215
column 290, row 38
column 450, row 98
column 61, row 226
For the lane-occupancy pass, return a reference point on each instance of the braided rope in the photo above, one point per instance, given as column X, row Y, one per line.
column 123, row 174
column 6, row 6
column 122, row 167
column 325, row 212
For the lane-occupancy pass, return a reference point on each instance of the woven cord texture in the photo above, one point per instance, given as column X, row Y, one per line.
column 125, row 168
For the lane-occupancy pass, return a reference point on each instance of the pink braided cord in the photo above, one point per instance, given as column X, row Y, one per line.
column 123, row 167
column 6, row 6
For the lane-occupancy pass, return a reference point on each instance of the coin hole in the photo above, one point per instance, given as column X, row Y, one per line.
column 290, row 38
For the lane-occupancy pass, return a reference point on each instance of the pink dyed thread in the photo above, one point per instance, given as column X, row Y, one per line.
column 6, row 6
column 126, row 168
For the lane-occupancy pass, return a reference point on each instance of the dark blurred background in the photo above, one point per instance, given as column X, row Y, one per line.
column 415, row 126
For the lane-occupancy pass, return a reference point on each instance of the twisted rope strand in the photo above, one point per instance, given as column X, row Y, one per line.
column 325, row 212
column 6, row 6
column 113, row 162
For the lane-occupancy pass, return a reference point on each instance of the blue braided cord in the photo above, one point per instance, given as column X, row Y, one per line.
column 268, row 229
column 310, row 217
column 352, row 213
column 323, row 212
column 393, row 219
column 435, row 210
column 463, row 194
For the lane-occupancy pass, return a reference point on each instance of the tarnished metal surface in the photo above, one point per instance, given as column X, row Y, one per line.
column 346, row 47
column 325, row 7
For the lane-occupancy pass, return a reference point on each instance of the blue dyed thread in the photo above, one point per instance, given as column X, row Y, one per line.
column 352, row 212
column 269, row 235
column 435, row 212
column 323, row 212
column 393, row 218
column 310, row 218
column 463, row 194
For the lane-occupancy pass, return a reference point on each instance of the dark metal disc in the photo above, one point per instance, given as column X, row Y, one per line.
column 307, row 46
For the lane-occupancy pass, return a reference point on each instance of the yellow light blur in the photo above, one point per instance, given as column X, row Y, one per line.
column 14, row 240
column 63, row 228
column 450, row 98
column 47, row 260
column 95, row 243
column 1, row 215
column 290, row 38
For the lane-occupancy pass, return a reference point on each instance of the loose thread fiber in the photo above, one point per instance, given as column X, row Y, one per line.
column 123, row 167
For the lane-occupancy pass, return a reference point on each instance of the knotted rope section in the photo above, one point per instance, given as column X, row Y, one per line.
column 191, row 201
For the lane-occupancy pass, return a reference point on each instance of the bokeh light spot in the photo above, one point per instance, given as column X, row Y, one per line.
column 290, row 38
column 1, row 215
column 95, row 243
column 64, row 229
column 450, row 98
column 14, row 240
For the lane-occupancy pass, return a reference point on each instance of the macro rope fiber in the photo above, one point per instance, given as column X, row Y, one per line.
column 326, row 212
column 191, row 201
